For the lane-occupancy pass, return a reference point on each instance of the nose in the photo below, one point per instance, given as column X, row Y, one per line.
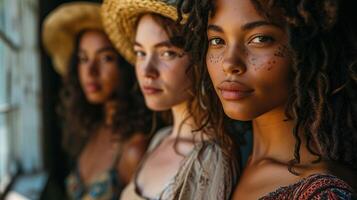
column 233, row 62
column 93, row 68
column 149, row 68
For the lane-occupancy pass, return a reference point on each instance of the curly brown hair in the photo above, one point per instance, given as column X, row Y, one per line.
column 81, row 118
column 323, row 102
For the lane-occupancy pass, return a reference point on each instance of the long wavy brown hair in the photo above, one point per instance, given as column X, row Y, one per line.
column 224, row 137
column 81, row 118
column 323, row 102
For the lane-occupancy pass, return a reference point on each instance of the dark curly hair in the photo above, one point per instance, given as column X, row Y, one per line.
column 128, row 114
column 323, row 39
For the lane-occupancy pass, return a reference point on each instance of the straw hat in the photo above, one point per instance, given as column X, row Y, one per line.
column 120, row 18
column 61, row 27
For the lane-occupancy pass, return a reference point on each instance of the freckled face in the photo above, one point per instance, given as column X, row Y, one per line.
column 248, row 60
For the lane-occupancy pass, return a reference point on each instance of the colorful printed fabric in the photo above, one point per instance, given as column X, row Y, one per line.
column 314, row 187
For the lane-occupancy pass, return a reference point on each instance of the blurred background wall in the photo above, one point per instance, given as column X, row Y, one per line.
column 32, row 163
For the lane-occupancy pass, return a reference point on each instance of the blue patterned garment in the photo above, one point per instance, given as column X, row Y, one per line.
column 107, row 186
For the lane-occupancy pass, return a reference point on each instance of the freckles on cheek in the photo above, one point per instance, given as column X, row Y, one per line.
column 270, row 64
column 264, row 62
column 269, row 61
column 282, row 52
column 214, row 58
column 214, row 66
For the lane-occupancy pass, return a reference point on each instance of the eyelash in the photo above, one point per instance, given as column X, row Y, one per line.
column 171, row 54
column 221, row 42
column 107, row 58
column 266, row 40
column 82, row 59
column 139, row 52
column 102, row 59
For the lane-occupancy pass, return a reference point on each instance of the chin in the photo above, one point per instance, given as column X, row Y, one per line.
column 96, row 100
column 237, row 113
column 157, row 104
column 238, row 116
column 156, row 107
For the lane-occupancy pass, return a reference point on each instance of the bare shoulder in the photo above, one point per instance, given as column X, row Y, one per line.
column 134, row 148
column 138, row 139
column 132, row 153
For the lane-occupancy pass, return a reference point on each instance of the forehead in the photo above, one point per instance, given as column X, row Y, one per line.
column 149, row 32
column 234, row 12
column 94, row 38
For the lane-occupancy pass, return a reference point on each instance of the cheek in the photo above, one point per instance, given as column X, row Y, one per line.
column 265, row 62
column 176, row 74
column 259, row 63
column 214, row 57
column 138, row 72
column 110, row 76
column 271, row 73
column 82, row 74
column 214, row 61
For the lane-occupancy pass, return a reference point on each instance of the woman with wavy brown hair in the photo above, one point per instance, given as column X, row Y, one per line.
column 287, row 71
column 183, row 161
column 104, row 120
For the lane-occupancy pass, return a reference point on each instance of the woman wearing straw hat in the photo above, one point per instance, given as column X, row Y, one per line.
column 183, row 161
column 101, row 130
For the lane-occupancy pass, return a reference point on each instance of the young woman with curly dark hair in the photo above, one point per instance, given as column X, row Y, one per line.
column 105, row 120
column 103, row 124
column 287, row 70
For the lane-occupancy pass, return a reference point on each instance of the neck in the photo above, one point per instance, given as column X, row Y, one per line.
column 182, row 122
column 109, row 110
column 273, row 138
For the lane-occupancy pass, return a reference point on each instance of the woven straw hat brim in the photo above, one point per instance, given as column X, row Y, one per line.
column 61, row 27
column 120, row 18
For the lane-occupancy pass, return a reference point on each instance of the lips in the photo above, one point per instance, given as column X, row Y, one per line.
column 232, row 90
column 150, row 90
column 92, row 87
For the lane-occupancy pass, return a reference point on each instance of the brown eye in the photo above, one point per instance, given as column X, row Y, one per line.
column 167, row 55
column 107, row 58
column 140, row 54
column 82, row 59
column 262, row 40
column 216, row 42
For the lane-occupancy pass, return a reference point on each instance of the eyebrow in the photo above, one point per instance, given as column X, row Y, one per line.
column 216, row 28
column 166, row 43
column 245, row 27
column 255, row 24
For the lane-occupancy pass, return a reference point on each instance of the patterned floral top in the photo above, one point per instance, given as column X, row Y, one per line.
column 105, row 186
column 314, row 187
